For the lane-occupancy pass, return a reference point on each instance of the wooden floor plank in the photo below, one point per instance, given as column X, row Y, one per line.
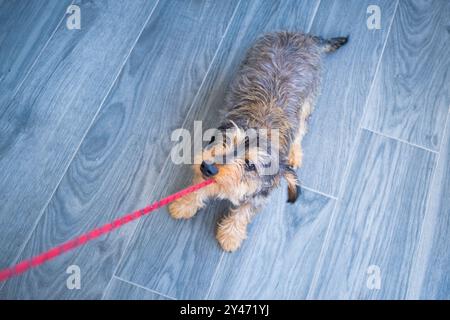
column 377, row 223
column 278, row 259
column 347, row 77
column 44, row 124
column 25, row 28
column 121, row 290
column 411, row 95
column 430, row 277
column 283, row 278
column 179, row 258
column 277, row 280
column 116, row 168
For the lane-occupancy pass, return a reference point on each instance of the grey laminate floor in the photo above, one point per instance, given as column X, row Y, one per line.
column 85, row 123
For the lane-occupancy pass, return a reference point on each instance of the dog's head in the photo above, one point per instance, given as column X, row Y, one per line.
column 245, row 163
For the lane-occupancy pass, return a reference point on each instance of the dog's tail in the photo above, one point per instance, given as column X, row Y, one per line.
column 294, row 189
column 332, row 44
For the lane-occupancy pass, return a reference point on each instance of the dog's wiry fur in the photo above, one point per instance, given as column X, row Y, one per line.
column 275, row 88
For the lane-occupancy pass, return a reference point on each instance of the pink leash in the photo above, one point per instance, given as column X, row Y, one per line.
column 25, row 265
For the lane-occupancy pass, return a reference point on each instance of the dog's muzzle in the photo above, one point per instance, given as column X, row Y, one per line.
column 208, row 169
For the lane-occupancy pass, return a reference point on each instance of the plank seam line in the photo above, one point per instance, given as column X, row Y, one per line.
column 143, row 287
column 409, row 291
column 194, row 101
column 42, row 213
column 348, row 166
column 399, row 140
column 214, row 277
column 308, row 29
column 318, row 192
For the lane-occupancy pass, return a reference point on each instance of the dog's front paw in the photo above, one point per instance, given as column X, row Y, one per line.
column 230, row 234
column 182, row 210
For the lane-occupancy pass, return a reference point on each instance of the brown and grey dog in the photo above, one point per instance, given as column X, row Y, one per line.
column 275, row 89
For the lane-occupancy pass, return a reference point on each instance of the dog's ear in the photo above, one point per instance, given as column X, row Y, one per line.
column 294, row 190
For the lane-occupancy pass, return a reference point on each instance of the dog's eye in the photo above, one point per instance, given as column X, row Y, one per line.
column 249, row 166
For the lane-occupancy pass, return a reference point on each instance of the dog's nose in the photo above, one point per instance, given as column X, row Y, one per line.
column 208, row 169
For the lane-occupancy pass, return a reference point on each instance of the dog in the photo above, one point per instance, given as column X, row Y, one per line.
column 274, row 92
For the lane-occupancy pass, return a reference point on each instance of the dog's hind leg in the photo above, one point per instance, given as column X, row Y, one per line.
column 296, row 151
column 232, row 229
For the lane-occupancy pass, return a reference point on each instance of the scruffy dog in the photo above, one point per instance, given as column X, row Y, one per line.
column 275, row 89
